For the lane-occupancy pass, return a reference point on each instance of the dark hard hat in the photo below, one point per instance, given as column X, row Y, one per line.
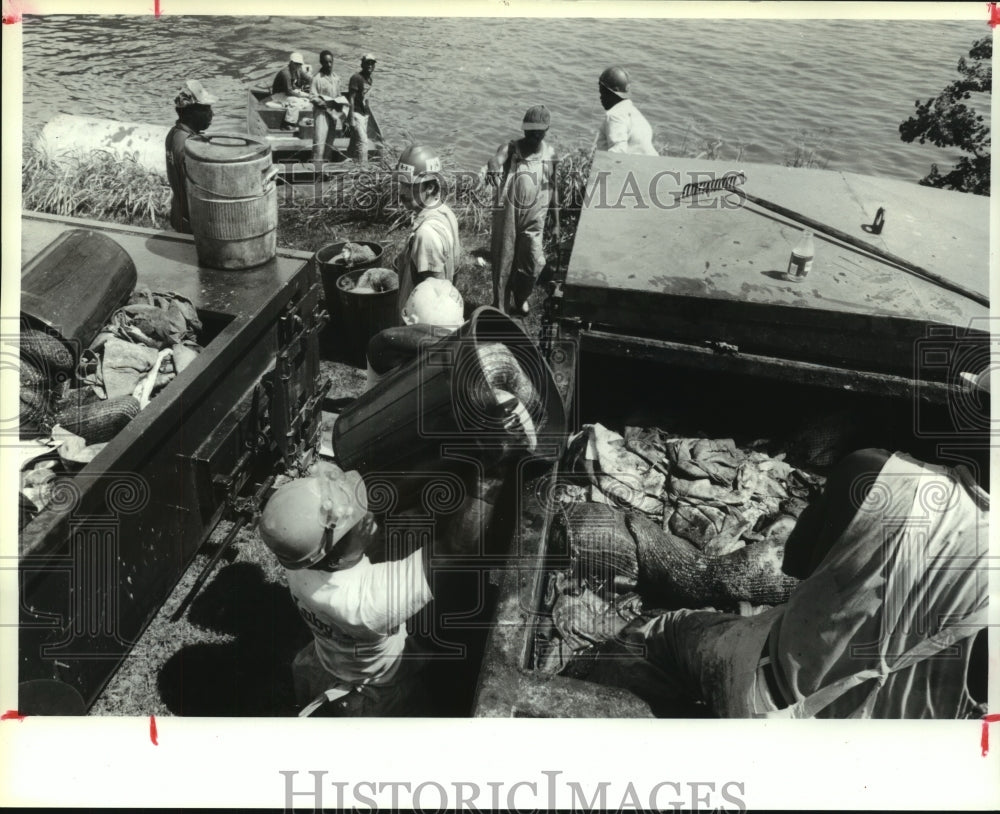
column 616, row 80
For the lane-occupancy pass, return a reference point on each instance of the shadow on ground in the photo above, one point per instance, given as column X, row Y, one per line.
column 250, row 675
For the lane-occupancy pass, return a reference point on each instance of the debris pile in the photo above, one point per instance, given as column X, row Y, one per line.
column 653, row 521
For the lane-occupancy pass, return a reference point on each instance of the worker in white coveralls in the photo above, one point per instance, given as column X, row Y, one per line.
column 433, row 247
column 524, row 171
column 889, row 615
column 624, row 129
column 321, row 531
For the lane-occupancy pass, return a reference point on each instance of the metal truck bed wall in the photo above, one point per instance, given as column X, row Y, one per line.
column 711, row 270
column 857, row 355
column 97, row 564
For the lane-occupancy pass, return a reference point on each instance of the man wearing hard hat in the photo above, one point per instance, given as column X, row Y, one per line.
column 194, row 115
column 625, row 129
column 321, row 531
column 432, row 248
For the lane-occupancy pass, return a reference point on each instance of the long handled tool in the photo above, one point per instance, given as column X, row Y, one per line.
column 731, row 182
column 246, row 514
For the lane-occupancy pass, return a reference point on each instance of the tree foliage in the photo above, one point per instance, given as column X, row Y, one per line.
column 948, row 121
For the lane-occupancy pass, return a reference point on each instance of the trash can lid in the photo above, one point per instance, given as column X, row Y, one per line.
column 222, row 148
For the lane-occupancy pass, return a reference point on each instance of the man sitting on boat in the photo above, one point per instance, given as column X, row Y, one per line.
column 291, row 89
column 324, row 91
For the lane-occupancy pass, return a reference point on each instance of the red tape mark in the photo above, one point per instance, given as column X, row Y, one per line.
column 994, row 14
column 11, row 715
column 11, row 12
column 152, row 729
column 984, row 739
column 156, row 8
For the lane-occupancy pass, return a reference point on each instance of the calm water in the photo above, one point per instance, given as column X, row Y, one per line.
column 839, row 86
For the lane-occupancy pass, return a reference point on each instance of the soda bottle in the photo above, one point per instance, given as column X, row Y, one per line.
column 802, row 257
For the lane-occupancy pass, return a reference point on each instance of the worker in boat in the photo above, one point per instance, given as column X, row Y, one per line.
column 324, row 92
column 291, row 88
column 433, row 310
column 524, row 171
column 625, row 129
column 888, row 621
column 360, row 662
column 194, row 115
column 358, row 88
column 432, row 248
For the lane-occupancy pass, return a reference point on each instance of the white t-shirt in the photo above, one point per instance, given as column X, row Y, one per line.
column 625, row 130
column 358, row 615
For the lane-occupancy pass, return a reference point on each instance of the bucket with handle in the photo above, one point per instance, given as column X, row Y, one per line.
column 233, row 200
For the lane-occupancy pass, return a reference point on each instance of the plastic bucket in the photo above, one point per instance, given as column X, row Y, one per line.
column 233, row 200
column 408, row 421
column 363, row 315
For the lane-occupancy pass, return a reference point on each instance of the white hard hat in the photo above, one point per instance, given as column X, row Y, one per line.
column 306, row 517
column 296, row 57
column 434, row 302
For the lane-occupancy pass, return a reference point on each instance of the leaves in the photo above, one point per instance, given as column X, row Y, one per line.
column 948, row 120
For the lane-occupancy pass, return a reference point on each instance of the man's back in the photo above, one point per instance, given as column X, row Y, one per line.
column 358, row 615
column 908, row 567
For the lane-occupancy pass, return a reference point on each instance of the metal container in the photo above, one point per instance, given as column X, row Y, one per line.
column 233, row 200
column 362, row 315
column 330, row 271
column 403, row 423
column 74, row 284
column 99, row 560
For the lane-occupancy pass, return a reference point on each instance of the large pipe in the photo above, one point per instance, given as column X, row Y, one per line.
column 67, row 134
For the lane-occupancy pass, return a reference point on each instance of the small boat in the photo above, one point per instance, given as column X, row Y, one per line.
column 292, row 149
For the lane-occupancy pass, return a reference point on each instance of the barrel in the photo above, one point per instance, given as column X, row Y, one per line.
column 233, row 200
column 364, row 315
column 73, row 286
column 330, row 272
column 408, row 422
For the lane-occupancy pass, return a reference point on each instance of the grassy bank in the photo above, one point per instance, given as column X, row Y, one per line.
column 352, row 205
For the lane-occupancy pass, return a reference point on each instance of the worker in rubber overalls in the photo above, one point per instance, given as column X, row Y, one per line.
column 524, row 172
column 432, row 248
column 194, row 115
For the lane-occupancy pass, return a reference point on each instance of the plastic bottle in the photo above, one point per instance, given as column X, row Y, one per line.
column 801, row 260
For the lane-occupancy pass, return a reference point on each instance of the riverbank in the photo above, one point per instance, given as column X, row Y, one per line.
column 354, row 205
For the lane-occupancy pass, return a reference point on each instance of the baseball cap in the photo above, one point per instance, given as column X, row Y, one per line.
column 296, row 57
column 537, row 118
column 369, row 58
